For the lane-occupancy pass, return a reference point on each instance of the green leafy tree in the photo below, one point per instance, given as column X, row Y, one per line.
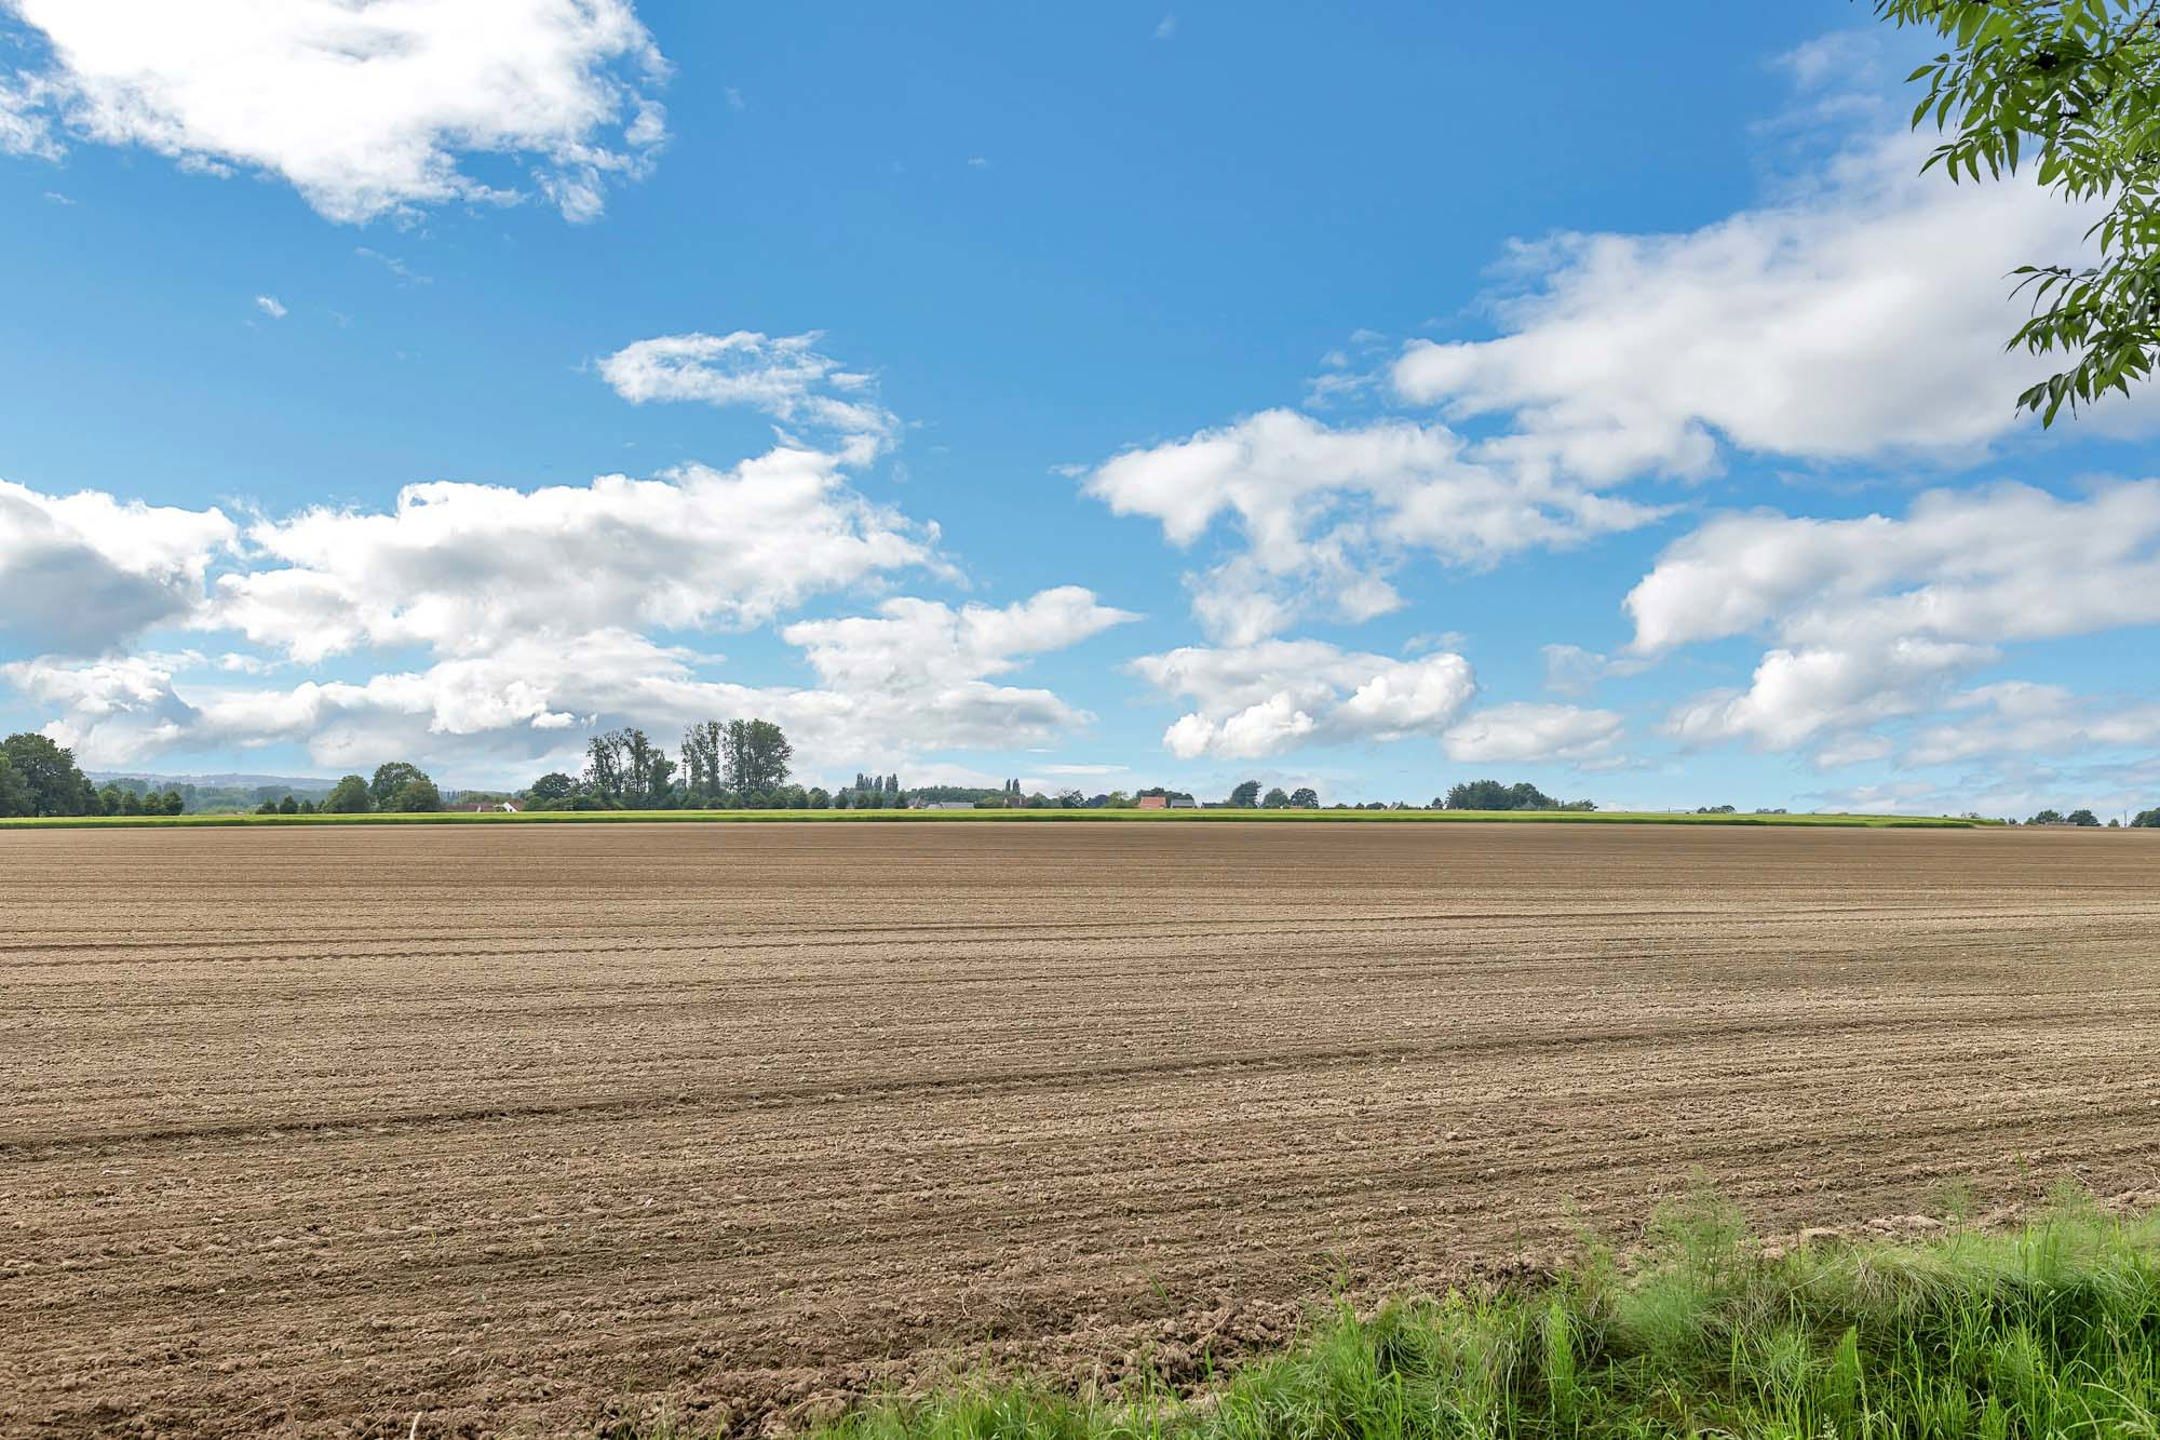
column 1492, row 795
column 701, row 746
column 2082, row 817
column 416, row 796
column 1305, row 798
column 387, row 780
column 736, row 767
column 2146, row 820
column 1275, row 799
column 49, row 775
column 756, row 755
column 14, row 790
column 350, row 796
column 1480, row 795
column 2047, row 817
column 2071, row 89
column 606, row 767
column 1246, row 795
column 551, row 788
column 646, row 770
column 288, row 806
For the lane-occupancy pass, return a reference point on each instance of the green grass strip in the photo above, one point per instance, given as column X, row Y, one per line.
column 2050, row 1331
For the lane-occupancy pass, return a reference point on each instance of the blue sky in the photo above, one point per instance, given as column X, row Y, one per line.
column 1112, row 397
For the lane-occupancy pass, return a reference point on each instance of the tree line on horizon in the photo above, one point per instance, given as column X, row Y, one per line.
column 746, row 764
column 398, row 787
column 2086, row 820
column 737, row 764
column 725, row 765
column 39, row 776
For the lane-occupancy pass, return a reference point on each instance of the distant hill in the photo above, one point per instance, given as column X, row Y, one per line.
column 216, row 794
column 294, row 783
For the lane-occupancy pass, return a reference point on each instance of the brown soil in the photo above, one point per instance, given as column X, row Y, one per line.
column 516, row 1129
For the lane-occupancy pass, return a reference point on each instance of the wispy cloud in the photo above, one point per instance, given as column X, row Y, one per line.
column 785, row 376
column 405, row 273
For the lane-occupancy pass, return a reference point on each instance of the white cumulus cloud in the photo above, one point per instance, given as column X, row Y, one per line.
column 1993, row 563
column 464, row 568
column 1800, row 695
column 1859, row 313
column 489, row 627
column 2019, row 718
column 81, row 573
column 113, row 711
column 1878, row 617
column 916, row 678
column 366, row 108
column 1524, row 733
column 1863, row 314
column 912, row 642
column 1322, row 515
column 1262, row 699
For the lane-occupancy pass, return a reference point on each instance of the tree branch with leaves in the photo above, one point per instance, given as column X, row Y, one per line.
column 2070, row 88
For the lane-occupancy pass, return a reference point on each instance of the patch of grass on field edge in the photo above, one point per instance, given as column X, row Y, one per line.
column 2053, row 1330
column 967, row 817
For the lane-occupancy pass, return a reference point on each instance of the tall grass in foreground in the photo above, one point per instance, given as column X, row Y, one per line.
column 2051, row 1331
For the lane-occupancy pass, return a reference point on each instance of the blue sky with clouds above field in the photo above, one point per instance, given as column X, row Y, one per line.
column 1105, row 396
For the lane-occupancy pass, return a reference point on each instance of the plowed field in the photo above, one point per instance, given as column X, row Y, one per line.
column 310, row 1131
